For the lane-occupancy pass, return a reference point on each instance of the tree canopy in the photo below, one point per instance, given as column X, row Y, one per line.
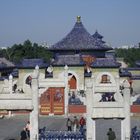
column 26, row 50
column 31, row 50
column 130, row 55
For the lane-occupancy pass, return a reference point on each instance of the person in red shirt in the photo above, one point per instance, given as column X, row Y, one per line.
column 82, row 122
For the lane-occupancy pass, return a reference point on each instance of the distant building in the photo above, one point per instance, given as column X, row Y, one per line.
column 6, row 67
column 128, row 46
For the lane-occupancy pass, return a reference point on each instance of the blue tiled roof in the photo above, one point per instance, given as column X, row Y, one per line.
column 138, row 63
column 31, row 63
column 105, row 62
column 79, row 39
column 98, row 39
column 96, row 35
column 135, row 77
column 74, row 60
column 5, row 64
column 124, row 72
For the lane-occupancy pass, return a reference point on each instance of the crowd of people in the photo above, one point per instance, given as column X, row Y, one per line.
column 76, row 124
column 107, row 97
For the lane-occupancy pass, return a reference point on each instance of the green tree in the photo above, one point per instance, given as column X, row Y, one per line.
column 130, row 55
column 26, row 50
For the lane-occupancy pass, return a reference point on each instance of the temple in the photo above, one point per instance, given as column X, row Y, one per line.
column 82, row 78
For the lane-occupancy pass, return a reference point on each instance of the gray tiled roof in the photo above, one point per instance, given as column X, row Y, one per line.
column 105, row 62
column 138, row 63
column 31, row 63
column 76, row 60
column 98, row 39
column 79, row 39
column 4, row 63
column 97, row 35
column 68, row 60
column 123, row 72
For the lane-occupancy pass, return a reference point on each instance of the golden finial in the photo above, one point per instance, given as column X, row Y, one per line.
column 78, row 19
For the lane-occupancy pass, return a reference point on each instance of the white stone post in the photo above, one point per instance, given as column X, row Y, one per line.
column 10, row 84
column 66, row 89
column 118, row 88
column 123, row 129
column 34, row 115
column 126, row 125
column 10, row 90
column 90, row 124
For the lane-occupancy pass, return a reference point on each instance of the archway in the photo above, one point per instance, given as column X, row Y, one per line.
column 72, row 82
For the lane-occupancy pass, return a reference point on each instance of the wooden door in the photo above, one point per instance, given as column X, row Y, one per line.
column 72, row 83
column 52, row 101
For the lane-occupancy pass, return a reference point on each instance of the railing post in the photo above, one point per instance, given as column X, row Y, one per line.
column 66, row 89
column 126, row 122
column 10, row 84
column 90, row 124
column 34, row 115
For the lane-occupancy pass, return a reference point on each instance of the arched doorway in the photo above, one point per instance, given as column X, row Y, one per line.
column 72, row 82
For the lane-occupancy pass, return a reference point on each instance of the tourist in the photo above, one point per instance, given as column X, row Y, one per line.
column 82, row 122
column 69, row 124
column 112, row 97
column 28, row 127
column 111, row 134
column 29, row 80
column 75, row 124
column 23, row 135
column 14, row 87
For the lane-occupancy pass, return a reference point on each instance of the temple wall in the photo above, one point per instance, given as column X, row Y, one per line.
column 78, row 72
column 23, row 74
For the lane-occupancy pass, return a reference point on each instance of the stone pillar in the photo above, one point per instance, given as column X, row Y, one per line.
column 126, row 122
column 11, row 84
column 123, row 129
column 117, row 78
column 10, row 91
column 66, row 89
column 34, row 115
column 90, row 124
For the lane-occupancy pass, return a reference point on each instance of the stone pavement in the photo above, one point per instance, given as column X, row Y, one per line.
column 10, row 127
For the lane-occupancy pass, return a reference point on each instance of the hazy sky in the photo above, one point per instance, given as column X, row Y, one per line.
column 50, row 20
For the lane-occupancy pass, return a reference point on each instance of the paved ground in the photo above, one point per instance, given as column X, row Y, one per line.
column 10, row 127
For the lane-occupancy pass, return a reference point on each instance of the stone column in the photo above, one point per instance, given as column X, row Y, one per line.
column 10, row 91
column 118, row 88
column 10, row 84
column 126, row 122
column 66, row 89
column 123, row 129
column 34, row 115
column 90, row 124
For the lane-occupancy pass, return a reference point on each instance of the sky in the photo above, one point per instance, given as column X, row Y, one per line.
column 51, row 20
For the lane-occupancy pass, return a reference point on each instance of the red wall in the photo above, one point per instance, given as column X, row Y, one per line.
column 135, row 108
column 77, row 109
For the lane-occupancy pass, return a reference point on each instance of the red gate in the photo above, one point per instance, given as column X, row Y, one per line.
column 52, row 101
